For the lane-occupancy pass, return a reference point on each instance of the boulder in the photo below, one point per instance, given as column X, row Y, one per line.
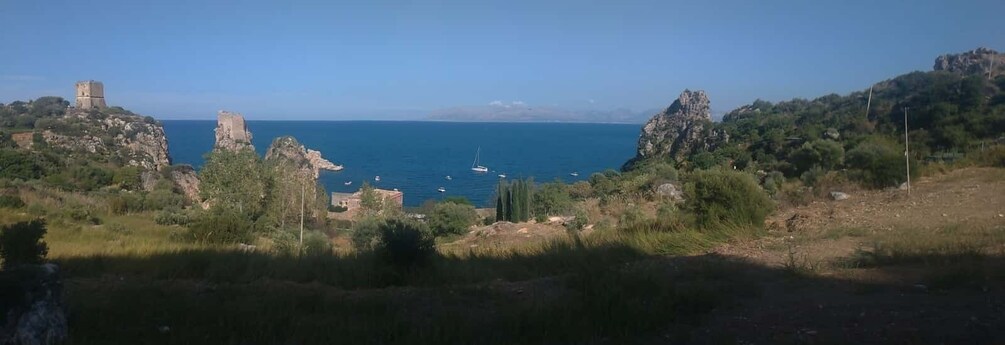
column 33, row 312
column 185, row 178
column 839, row 196
column 678, row 131
column 232, row 132
column 670, row 191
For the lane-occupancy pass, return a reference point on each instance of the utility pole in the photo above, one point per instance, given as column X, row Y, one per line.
column 907, row 154
column 302, row 191
column 868, row 103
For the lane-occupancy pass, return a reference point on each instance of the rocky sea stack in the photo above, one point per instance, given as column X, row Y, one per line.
column 288, row 150
column 232, row 132
column 678, row 131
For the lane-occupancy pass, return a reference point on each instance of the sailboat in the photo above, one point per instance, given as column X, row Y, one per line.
column 449, row 178
column 347, row 183
column 475, row 166
column 376, row 178
column 441, row 189
column 574, row 174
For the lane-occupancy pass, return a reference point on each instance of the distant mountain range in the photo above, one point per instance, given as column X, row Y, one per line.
column 519, row 112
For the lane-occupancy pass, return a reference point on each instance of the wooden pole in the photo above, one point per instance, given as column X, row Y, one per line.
column 907, row 154
column 868, row 104
column 303, row 189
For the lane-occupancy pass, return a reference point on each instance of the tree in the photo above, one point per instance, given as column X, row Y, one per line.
column 21, row 243
column 370, row 202
column 235, row 178
column 449, row 218
column 552, row 198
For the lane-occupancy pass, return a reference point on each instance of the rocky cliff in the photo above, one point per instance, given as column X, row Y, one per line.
column 978, row 61
column 120, row 137
column 232, row 132
column 288, row 150
column 187, row 181
column 678, row 131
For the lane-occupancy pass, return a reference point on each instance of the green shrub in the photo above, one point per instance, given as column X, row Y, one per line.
column 222, row 225
column 118, row 228
column 80, row 213
column 172, row 216
column 21, row 243
column 11, row 201
column 878, row 164
column 579, row 221
column 128, row 178
column 316, row 244
column 366, row 233
column 722, row 197
column 160, row 199
column 405, row 243
column 449, row 218
column 16, row 164
column 992, row 157
column 551, row 199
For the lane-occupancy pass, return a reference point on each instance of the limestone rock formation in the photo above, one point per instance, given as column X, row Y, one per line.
column 232, row 132
column 678, row 131
column 978, row 61
column 123, row 137
column 187, row 180
column 32, row 308
column 309, row 162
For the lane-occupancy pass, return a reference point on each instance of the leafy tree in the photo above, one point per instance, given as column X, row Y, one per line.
column 552, row 198
column 370, row 202
column 235, row 178
column 405, row 243
column 878, row 163
column 449, row 218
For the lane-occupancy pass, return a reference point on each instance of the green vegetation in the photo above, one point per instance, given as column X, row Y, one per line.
column 719, row 198
column 451, row 218
column 513, row 200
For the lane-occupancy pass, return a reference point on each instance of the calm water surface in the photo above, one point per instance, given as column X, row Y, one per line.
column 416, row 157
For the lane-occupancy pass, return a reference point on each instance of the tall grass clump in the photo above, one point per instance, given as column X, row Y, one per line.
column 723, row 197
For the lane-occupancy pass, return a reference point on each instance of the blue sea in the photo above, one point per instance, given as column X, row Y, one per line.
column 416, row 157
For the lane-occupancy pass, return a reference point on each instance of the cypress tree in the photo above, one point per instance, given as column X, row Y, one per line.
column 500, row 205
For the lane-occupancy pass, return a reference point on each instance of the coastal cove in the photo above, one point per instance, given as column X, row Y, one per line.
column 415, row 157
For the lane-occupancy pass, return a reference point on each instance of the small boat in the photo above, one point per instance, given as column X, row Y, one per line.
column 574, row 174
column 347, row 183
column 376, row 178
column 502, row 175
column 449, row 178
column 441, row 189
column 477, row 167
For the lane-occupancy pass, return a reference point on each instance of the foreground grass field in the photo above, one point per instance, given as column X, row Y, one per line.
column 861, row 277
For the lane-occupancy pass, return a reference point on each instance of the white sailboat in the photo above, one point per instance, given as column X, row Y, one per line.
column 376, row 178
column 441, row 189
column 477, row 167
column 347, row 183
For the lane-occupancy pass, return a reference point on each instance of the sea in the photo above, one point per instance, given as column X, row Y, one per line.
column 416, row 157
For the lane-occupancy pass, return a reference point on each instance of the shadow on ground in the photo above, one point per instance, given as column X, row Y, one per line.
column 606, row 295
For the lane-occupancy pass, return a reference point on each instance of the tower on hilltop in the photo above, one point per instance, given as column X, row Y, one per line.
column 90, row 95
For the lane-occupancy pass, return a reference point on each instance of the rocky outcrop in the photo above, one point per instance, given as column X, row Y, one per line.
column 287, row 150
column 232, row 132
column 122, row 137
column 678, row 131
column 187, row 181
column 978, row 61
column 32, row 309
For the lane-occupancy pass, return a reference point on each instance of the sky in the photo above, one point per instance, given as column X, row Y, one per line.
column 394, row 60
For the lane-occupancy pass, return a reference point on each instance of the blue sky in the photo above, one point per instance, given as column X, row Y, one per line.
column 402, row 59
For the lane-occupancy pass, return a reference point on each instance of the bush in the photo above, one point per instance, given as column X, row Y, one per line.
column 160, row 199
column 15, row 164
column 405, row 242
column 878, row 164
column 21, row 243
column 579, row 221
column 366, row 233
column 449, row 218
column 222, row 225
column 128, row 178
column 316, row 244
column 551, row 198
column 11, row 201
column 81, row 213
column 718, row 197
column 172, row 217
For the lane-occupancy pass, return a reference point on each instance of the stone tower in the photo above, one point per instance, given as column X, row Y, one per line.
column 90, row 94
